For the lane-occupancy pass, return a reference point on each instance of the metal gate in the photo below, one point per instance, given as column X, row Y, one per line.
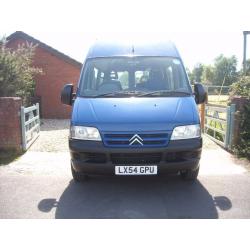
column 30, row 125
column 219, row 124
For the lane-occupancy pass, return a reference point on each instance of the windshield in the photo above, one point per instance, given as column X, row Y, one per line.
column 136, row 76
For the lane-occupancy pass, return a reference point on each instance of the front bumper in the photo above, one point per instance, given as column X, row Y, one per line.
column 93, row 158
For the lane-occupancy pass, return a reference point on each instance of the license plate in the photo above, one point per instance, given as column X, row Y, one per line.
column 135, row 170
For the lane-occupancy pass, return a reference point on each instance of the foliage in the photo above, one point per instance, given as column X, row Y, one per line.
column 225, row 70
column 243, row 146
column 190, row 76
column 218, row 99
column 248, row 67
column 242, row 88
column 196, row 74
column 217, row 135
column 222, row 72
column 247, row 73
column 16, row 71
column 208, row 75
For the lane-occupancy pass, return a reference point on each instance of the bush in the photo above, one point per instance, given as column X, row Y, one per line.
column 16, row 71
column 242, row 88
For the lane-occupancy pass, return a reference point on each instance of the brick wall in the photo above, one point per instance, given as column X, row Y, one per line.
column 10, row 125
column 57, row 72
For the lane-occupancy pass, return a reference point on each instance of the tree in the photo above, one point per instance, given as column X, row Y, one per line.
column 241, row 87
column 16, row 71
column 196, row 74
column 190, row 75
column 248, row 67
column 208, row 75
column 225, row 70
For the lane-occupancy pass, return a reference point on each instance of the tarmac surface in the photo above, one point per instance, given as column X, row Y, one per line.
column 39, row 185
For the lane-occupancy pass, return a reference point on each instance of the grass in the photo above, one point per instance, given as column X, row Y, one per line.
column 8, row 156
column 215, row 124
column 216, row 99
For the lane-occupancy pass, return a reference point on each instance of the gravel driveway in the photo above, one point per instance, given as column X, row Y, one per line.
column 53, row 136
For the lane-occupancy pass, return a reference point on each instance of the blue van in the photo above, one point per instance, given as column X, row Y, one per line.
column 134, row 113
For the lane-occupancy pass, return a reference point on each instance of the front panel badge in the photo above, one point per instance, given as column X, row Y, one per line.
column 136, row 139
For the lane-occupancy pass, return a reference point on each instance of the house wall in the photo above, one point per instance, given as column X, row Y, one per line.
column 56, row 73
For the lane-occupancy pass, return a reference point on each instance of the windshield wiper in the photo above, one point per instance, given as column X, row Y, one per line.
column 120, row 94
column 165, row 93
column 143, row 93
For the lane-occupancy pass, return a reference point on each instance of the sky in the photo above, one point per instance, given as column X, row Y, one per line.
column 201, row 30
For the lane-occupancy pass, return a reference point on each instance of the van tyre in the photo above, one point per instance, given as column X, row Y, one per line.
column 78, row 177
column 190, row 175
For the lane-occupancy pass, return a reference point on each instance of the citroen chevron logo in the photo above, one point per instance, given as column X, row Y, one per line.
column 136, row 139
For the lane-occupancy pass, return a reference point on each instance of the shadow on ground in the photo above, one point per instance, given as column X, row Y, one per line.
column 135, row 198
column 6, row 157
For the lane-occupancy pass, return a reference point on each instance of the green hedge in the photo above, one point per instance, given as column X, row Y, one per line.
column 242, row 88
column 17, row 72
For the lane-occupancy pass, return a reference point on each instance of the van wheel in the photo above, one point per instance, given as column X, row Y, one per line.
column 78, row 177
column 190, row 175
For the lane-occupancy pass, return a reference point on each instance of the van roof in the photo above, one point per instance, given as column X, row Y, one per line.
column 111, row 49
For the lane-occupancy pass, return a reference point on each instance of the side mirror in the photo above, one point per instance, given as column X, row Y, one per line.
column 67, row 94
column 200, row 93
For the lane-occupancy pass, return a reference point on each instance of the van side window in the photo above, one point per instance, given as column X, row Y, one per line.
column 92, row 76
column 90, row 80
column 179, row 77
column 141, row 76
column 123, row 78
column 170, row 78
column 175, row 77
column 100, row 78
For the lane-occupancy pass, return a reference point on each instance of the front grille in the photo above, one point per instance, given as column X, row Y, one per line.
column 135, row 158
column 122, row 139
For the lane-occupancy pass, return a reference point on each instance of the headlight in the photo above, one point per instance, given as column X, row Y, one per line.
column 85, row 133
column 186, row 132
